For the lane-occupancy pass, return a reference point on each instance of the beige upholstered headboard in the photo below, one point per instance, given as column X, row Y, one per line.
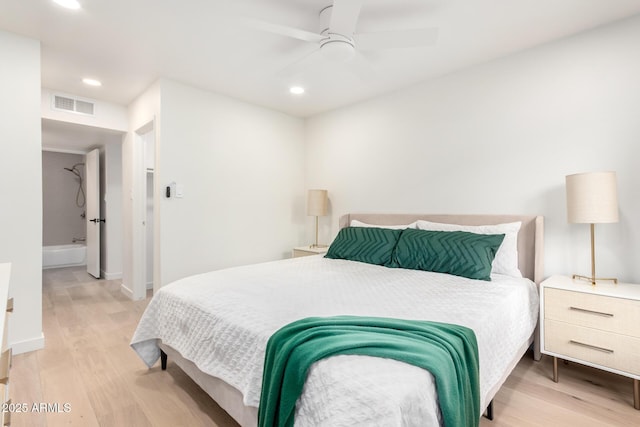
column 530, row 237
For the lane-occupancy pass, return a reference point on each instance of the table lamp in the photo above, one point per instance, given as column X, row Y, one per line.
column 592, row 198
column 317, row 203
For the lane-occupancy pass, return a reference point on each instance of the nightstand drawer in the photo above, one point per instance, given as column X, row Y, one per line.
column 618, row 315
column 591, row 345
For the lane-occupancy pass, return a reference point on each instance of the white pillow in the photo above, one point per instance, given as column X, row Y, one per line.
column 356, row 223
column 506, row 260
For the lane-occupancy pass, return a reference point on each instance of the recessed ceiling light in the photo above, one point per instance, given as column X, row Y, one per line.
column 296, row 90
column 92, row 82
column 69, row 4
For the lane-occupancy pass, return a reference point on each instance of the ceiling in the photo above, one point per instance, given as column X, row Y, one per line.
column 128, row 44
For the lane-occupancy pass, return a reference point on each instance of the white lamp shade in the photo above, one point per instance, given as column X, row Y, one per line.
column 592, row 198
column 317, row 203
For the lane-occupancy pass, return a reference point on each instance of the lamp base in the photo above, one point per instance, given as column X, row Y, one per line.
column 313, row 246
column 593, row 280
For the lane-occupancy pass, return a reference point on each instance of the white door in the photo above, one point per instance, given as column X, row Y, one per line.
column 92, row 175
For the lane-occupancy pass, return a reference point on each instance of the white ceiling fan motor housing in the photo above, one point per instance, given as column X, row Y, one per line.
column 336, row 47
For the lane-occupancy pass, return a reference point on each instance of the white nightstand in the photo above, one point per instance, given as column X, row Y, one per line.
column 598, row 326
column 308, row 250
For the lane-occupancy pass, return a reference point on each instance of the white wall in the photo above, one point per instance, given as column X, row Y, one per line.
column 499, row 138
column 241, row 167
column 21, row 194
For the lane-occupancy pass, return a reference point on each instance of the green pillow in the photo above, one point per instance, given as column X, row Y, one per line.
column 364, row 244
column 454, row 252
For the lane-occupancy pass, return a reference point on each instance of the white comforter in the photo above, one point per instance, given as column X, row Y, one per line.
column 222, row 320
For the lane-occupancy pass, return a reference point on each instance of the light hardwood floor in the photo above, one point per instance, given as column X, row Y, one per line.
column 88, row 363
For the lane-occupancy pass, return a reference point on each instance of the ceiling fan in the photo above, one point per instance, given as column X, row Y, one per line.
column 337, row 38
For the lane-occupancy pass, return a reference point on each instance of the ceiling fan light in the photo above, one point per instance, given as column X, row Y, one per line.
column 337, row 50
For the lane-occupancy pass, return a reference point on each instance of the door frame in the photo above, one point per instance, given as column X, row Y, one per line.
column 139, row 230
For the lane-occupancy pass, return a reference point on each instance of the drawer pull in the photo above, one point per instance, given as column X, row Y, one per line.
column 584, row 310
column 593, row 347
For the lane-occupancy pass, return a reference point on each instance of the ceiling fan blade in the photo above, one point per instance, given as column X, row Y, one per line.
column 360, row 67
column 396, row 39
column 295, row 70
column 344, row 16
column 283, row 30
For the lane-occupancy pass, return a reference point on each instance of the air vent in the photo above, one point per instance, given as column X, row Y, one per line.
column 62, row 103
column 65, row 103
column 84, row 107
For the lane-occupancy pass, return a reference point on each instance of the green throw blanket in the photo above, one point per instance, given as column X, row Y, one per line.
column 449, row 352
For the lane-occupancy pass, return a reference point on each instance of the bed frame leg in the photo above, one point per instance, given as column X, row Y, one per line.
column 163, row 360
column 489, row 412
column 537, row 354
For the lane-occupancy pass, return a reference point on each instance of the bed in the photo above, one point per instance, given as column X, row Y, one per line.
column 215, row 326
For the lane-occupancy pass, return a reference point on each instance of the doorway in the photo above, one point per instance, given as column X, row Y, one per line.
column 148, row 141
column 65, row 188
column 63, row 209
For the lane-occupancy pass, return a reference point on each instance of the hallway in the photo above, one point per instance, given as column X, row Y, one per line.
column 87, row 363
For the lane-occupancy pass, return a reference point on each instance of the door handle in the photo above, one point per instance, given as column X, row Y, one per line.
column 96, row 220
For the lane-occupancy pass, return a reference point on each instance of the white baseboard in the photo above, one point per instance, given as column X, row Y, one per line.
column 128, row 292
column 110, row 276
column 28, row 345
column 149, row 285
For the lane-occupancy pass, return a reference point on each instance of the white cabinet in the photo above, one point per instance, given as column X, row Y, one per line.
column 6, row 307
column 308, row 250
column 598, row 326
